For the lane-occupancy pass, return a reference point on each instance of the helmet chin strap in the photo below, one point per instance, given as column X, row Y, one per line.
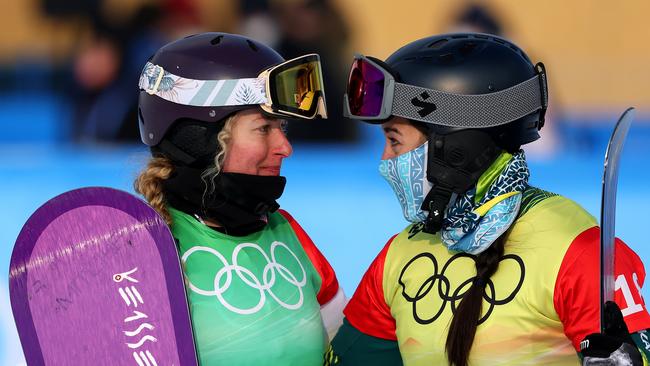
column 455, row 162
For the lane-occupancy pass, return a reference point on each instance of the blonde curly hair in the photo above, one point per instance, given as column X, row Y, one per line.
column 149, row 182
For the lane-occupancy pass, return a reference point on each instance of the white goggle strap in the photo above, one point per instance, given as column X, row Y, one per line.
column 470, row 111
column 202, row 93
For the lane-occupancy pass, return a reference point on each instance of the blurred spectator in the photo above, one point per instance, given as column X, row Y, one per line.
column 316, row 26
column 257, row 22
column 107, row 64
column 71, row 8
column 105, row 74
column 477, row 18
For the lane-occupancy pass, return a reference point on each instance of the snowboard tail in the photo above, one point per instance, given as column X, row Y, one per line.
column 95, row 279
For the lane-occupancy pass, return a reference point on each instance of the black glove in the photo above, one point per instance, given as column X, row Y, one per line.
column 615, row 346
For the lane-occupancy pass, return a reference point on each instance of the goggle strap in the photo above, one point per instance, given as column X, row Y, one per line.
column 470, row 111
column 202, row 93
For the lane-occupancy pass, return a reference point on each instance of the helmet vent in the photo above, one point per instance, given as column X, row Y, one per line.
column 437, row 44
column 447, row 57
column 252, row 45
column 216, row 40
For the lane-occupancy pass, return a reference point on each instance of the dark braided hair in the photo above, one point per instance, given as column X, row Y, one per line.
column 465, row 321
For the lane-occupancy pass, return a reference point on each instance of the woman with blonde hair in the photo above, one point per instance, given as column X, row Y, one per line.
column 213, row 109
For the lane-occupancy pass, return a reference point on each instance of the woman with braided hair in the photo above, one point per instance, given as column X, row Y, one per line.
column 213, row 108
column 492, row 271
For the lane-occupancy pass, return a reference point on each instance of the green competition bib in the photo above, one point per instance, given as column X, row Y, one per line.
column 252, row 298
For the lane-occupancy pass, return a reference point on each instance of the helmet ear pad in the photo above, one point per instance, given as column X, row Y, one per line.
column 458, row 157
column 191, row 142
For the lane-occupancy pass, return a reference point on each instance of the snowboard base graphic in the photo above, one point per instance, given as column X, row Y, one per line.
column 95, row 279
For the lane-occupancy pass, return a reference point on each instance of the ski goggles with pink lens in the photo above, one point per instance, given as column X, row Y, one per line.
column 373, row 95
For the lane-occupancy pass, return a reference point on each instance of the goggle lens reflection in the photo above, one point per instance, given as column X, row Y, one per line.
column 298, row 88
column 365, row 89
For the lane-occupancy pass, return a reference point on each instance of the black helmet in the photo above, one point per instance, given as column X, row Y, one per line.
column 468, row 64
column 184, row 132
column 471, row 63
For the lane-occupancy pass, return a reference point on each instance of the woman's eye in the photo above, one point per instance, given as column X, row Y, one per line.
column 393, row 142
column 284, row 126
column 264, row 129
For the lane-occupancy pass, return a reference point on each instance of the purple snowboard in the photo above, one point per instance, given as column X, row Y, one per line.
column 95, row 280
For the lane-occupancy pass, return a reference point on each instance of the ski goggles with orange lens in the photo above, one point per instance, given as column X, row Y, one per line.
column 373, row 95
column 291, row 89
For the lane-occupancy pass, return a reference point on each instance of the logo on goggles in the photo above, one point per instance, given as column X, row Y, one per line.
column 427, row 107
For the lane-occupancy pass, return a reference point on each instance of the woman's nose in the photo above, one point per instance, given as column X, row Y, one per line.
column 281, row 144
column 388, row 152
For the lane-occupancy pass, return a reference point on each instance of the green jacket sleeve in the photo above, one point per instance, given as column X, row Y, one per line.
column 351, row 347
column 642, row 341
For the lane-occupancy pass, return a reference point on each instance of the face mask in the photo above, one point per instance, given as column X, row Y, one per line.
column 407, row 175
column 239, row 202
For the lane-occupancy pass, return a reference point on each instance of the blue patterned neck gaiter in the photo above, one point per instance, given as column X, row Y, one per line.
column 472, row 227
column 407, row 175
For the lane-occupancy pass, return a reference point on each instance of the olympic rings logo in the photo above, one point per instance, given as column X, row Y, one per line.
column 263, row 285
column 454, row 297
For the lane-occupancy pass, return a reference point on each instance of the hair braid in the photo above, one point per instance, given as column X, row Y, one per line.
column 462, row 329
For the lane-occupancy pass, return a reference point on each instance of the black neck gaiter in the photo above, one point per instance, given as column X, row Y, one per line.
column 239, row 202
